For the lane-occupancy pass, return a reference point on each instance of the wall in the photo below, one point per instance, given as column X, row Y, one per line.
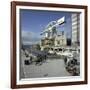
column 5, row 45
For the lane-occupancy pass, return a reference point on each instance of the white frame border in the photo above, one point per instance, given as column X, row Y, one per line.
column 54, row 79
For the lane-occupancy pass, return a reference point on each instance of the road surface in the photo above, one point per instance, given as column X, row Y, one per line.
column 51, row 68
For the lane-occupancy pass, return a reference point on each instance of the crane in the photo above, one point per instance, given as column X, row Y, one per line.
column 51, row 27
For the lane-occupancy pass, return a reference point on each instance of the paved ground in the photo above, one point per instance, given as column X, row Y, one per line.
column 51, row 68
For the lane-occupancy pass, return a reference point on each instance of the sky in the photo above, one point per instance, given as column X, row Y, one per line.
column 33, row 22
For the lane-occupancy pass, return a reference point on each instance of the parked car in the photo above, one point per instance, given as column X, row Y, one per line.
column 29, row 59
column 51, row 52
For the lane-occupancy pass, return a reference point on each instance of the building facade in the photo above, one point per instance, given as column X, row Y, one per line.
column 57, row 41
column 75, row 29
column 46, row 43
column 60, row 39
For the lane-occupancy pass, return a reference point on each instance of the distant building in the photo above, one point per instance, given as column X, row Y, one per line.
column 60, row 39
column 46, row 43
column 57, row 41
column 68, row 41
column 75, row 29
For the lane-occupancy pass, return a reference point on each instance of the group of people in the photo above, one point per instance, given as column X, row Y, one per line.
column 72, row 66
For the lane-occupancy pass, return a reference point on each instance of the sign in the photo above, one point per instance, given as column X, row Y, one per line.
column 61, row 20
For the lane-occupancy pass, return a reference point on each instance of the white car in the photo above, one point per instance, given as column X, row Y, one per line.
column 51, row 52
column 66, row 53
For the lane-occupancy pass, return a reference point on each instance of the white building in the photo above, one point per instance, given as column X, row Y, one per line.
column 75, row 29
column 60, row 39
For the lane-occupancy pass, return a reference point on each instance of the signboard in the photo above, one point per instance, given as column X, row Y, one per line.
column 61, row 20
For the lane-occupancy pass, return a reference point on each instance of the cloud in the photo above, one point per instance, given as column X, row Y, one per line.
column 29, row 38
